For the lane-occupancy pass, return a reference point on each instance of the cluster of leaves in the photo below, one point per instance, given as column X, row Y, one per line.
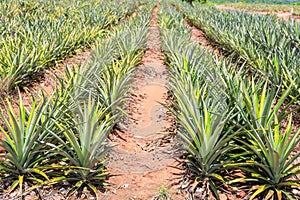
column 37, row 33
column 270, row 46
column 229, row 118
column 63, row 138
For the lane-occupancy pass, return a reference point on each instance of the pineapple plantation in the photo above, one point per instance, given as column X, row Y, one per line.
column 147, row 100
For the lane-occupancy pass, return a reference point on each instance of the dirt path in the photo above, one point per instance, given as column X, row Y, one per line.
column 280, row 15
column 199, row 37
column 142, row 163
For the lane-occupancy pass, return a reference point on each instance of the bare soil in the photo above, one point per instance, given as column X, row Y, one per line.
column 199, row 37
column 280, row 15
column 142, row 163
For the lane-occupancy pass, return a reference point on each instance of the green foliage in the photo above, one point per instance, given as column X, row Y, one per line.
column 268, row 145
column 162, row 194
column 41, row 33
column 85, row 145
column 200, row 112
column 270, row 46
column 70, row 127
column 273, row 168
column 228, row 116
column 25, row 134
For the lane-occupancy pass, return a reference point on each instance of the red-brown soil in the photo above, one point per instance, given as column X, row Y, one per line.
column 142, row 165
column 142, row 162
column 199, row 37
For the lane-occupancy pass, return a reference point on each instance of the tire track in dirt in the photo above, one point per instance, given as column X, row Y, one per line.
column 142, row 163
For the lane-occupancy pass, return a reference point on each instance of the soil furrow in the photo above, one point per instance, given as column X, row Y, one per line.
column 199, row 37
column 142, row 163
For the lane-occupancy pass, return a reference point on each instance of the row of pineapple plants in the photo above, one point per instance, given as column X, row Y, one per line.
column 229, row 120
column 267, row 7
column 269, row 45
column 62, row 138
column 35, row 33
